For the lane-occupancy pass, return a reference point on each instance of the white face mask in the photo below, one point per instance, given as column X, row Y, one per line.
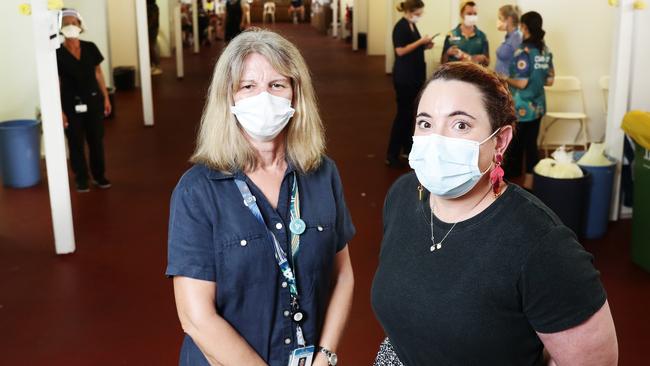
column 71, row 31
column 447, row 167
column 264, row 115
column 415, row 19
column 471, row 20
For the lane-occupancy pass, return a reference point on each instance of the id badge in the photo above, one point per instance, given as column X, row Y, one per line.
column 302, row 356
column 81, row 108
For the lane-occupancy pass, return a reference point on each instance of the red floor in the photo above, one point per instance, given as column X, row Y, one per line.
column 110, row 304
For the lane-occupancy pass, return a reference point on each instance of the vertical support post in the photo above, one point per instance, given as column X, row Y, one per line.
column 145, row 63
column 178, row 38
column 619, row 92
column 45, row 30
column 195, row 25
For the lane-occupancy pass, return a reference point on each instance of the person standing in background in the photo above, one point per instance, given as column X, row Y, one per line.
column 153, row 22
column 508, row 21
column 409, row 74
column 234, row 15
column 531, row 69
column 84, row 100
column 466, row 42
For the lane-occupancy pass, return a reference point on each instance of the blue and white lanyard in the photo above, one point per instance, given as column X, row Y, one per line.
column 297, row 227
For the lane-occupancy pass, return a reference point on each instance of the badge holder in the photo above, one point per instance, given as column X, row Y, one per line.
column 302, row 356
column 80, row 107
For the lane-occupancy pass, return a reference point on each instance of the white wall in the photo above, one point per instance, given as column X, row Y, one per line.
column 166, row 27
column 377, row 17
column 361, row 10
column 580, row 48
column 19, row 86
column 122, row 33
column 18, row 89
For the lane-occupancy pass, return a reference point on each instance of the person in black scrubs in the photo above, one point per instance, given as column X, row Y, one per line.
column 409, row 73
column 474, row 270
column 84, row 100
column 297, row 7
column 234, row 15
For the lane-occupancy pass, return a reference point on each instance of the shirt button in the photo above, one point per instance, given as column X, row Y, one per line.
column 286, row 313
column 243, row 243
column 287, row 341
column 284, row 284
column 320, row 228
column 278, row 226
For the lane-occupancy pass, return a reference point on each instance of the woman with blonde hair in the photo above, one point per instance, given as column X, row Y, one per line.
column 507, row 21
column 259, row 227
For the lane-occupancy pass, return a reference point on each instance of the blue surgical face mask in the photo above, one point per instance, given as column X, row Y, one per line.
column 447, row 167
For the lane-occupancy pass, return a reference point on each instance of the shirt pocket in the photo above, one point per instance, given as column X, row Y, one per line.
column 318, row 246
column 248, row 260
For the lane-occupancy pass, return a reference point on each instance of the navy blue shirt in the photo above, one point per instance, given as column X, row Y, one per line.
column 214, row 237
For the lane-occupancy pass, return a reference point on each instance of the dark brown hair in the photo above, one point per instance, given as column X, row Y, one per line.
column 494, row 89
column 410, row 5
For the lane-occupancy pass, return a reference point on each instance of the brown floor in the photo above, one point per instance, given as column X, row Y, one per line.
column 109, row 303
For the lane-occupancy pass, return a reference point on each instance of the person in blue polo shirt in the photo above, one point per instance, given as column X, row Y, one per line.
column 508, row 21
column 531, row 69
column 466, row 42
column 258, row 227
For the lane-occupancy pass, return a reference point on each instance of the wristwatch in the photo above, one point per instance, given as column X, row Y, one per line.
column 332, row 359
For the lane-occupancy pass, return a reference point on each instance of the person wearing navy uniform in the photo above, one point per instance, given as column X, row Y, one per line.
column 466, row 42
column 409, row 73
column 259, row 227
column 84, row 100
column 531, row 69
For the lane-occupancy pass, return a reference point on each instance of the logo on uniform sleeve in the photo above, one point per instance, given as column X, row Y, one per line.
column 522, row 112
column 522, row 64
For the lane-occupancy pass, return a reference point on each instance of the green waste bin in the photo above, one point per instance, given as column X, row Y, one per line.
column 641, row 213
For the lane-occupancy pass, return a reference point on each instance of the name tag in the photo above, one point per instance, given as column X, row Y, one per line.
column 302, row 356
column 81, row 108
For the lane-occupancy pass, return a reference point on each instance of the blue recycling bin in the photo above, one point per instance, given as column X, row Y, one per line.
column 599, row 199
column 20, row 153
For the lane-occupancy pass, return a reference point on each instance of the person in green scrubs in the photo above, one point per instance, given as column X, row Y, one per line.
column 466, row 42
column 530, row 70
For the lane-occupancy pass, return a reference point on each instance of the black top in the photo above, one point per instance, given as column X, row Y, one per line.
column 499, row 277
column 77, row 77
column 410, row 68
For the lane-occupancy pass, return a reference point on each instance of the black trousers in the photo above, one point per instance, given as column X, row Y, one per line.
column 401, row 134
column 86, row 128
column 523, row 145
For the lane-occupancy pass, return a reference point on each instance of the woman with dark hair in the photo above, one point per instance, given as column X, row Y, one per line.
column 409, row 73
column 531, row 69
column 474, row 270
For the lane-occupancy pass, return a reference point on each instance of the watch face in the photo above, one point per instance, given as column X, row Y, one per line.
column 333, row 359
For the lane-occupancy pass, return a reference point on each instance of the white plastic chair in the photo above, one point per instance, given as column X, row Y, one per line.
column 565, row 102
column 269, row 10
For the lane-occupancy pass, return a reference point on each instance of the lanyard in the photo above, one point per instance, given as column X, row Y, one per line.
column 297, row 227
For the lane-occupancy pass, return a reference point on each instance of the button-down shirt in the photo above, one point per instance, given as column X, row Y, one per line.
column 214, row 237
column 506, row 51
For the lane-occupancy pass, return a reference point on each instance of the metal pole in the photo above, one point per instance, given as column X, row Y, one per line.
column 178, row 37
column 195, row 25
column 145, row 63
column 46, row 41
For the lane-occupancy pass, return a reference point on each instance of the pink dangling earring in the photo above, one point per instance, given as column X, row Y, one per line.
column 496, row 175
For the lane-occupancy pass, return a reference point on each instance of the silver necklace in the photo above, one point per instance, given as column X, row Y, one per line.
column 436, row 246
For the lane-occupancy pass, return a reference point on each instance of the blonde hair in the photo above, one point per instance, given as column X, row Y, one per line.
column 221, row 144
column 510, row 11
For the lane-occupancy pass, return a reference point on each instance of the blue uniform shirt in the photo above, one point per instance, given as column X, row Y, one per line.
column 506, row 51
column 214, row 237
column 536, row 66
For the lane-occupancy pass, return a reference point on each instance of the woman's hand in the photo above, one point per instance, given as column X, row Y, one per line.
column 425, row 40
column 107, row 106
column 429, row 45
column 320, row 360
column 453, row 51
column 65, row 120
